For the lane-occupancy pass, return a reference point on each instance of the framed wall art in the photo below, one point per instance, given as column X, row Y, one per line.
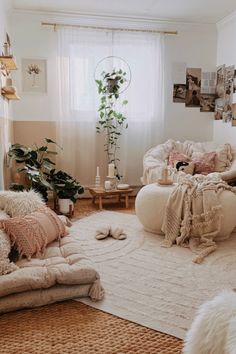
column 34, row 75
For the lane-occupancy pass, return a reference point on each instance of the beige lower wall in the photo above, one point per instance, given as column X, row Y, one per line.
column 29, row 133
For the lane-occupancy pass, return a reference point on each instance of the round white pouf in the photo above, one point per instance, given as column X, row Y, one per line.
column 150, row 205
column 152, row 199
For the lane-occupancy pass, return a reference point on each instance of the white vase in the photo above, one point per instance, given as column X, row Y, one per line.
column 65, row 205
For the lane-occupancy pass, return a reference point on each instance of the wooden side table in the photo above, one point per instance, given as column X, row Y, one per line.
column 101, row 193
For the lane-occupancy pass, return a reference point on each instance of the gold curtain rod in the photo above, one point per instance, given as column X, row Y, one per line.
column 55, row 25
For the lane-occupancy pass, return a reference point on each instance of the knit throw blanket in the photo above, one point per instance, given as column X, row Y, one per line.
column 193, row 214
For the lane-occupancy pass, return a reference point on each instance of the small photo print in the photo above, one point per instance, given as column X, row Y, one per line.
column 219, row 108
column 208, row 84
column 233, row 115
column 229, row 82
column 227, row 114
column 34, row 75
column 234, row 84
column 179, row 93
column 220, row 82
column 207, row 102
column 193, row 87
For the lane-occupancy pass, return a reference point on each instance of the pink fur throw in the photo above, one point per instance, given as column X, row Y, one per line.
column 31, row 233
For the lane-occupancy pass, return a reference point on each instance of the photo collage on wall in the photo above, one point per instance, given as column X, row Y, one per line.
column 209, row 91
column 198, row 89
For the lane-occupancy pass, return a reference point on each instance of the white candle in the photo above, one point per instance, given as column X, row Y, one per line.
column 97, row 171
column 111, row 170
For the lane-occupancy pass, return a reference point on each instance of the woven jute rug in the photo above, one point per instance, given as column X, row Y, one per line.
column 74, row 328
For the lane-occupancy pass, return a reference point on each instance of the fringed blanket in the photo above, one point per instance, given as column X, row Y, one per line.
column 193, row 214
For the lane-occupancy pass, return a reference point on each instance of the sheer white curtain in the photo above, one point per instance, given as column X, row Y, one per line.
column 79, row 51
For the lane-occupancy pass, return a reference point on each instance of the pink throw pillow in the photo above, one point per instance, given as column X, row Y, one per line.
column 175, row 156
column 204, row 162
column 31, row 233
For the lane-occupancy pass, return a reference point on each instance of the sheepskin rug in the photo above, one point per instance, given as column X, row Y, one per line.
column 213, row 331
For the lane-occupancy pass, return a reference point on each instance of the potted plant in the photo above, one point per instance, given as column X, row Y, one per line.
column 66, row 190
column 111, row 120
column 35, row 164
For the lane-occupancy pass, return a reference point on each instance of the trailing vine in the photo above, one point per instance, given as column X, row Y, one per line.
column 111, row 121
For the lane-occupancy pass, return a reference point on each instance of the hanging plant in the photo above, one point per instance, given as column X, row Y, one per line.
column 111, row 121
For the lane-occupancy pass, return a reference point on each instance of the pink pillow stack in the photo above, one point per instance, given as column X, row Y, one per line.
column 204, row 162
column 31, row 233
column 176, row 156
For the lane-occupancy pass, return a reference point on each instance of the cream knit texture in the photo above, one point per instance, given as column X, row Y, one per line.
column 193, row 214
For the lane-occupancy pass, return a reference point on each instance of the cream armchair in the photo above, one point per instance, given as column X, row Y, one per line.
column 154, row 159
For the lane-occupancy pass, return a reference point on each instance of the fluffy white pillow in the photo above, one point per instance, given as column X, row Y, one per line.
column 20, row 203
column 5, row 247
column 214, row 327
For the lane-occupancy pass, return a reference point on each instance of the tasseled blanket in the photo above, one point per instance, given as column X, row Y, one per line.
column 193, row 214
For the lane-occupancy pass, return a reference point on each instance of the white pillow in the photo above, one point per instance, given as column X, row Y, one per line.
column 20, row 203
column 5, row 247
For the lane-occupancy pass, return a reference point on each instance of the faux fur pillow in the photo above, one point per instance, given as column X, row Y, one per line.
column 31, row 233
column 177, row 156
column 204, row 162
column 5, row 247
column 20, row 203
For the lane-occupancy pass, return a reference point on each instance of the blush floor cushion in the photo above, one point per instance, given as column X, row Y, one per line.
column 152, row 199
column 63, row 272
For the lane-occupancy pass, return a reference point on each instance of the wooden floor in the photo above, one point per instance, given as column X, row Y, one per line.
column 85, row 207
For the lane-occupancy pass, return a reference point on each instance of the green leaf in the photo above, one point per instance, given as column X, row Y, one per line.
column 125, row 102
column 50, row 141
column 46, row 159
column 51, row 152
column 43, row 148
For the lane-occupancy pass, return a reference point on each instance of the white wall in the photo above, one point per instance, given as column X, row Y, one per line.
column 226, row 54
column 5, row 107
column 5, row 8
column 195, row 45
column 31, row 40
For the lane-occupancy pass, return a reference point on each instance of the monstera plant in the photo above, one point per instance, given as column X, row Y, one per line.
column 35, row 163
column 111, row 119
column 39, row 168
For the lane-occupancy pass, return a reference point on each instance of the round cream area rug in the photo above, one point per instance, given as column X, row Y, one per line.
column 159, row 288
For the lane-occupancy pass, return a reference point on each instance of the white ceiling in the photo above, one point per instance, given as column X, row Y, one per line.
column 201, row 11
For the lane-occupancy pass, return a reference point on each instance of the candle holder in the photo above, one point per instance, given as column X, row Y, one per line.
column 113, row 182
column 97, row 181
